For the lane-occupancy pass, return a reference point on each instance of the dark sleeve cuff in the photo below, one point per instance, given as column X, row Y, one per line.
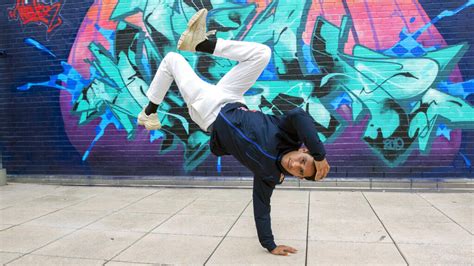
column 317, row 151
column 271, row 247
column 319, row 157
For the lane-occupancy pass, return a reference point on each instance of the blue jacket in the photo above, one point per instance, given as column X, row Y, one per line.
column 258, row 141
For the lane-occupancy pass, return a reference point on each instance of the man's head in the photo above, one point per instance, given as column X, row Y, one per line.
column 300, row 164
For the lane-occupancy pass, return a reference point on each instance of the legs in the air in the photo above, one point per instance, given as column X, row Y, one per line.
column 204, row 100
column 175, row 67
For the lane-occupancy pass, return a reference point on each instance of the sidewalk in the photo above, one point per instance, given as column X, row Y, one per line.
column 53, row 225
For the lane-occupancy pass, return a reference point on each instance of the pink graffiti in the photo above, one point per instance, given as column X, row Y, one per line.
column 38, row 12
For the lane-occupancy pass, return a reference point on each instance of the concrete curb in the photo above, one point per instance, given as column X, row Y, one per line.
column 3, row 176
column 374, row 184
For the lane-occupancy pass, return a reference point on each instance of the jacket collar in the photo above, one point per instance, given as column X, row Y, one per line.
column 280, row 167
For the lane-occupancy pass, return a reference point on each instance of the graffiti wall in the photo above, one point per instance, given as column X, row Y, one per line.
column 390, row 84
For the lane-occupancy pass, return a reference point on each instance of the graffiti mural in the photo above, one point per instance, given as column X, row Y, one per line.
column 399, row 93
column 37, row 12
column 394, row 85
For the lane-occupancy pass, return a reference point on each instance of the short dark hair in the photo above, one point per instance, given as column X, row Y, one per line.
column 313, row 177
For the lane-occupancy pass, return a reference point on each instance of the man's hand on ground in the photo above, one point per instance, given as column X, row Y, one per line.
column 322, row 168
column 283, row 250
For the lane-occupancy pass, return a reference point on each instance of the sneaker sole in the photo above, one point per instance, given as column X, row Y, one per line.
column 191, row 23
column 149, row 126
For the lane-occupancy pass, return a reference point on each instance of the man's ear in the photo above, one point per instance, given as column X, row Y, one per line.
column 303, row 149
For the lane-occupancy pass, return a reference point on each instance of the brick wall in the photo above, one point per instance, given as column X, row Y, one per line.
column 389, row 84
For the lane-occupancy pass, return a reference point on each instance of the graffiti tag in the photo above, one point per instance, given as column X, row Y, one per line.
column 38, row 12
column 393, row 144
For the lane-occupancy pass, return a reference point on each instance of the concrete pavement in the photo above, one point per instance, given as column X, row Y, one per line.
column 78, row 225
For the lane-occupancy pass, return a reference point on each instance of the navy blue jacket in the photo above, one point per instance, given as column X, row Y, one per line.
column 258, row 141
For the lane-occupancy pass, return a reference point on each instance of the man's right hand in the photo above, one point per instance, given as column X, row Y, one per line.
column 322, row 168
column 283, row 250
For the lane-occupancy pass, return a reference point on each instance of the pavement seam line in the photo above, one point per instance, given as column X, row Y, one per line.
column 77, row 229
column 432, row 205
column 6, row 228
column 232, row 226
column 132, row 262
column 307, row 229
column 150, row 232
column 386, row 230
column 56, row 256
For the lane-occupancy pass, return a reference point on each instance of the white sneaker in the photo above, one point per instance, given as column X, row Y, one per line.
column 195, row 33
column 150, row 122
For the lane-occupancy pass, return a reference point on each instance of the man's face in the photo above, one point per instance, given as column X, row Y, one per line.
column 298, row 163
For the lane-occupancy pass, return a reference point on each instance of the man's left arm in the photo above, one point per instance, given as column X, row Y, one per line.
column 301, row 123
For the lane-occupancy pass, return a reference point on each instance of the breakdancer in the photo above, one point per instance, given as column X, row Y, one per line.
column 270, row 146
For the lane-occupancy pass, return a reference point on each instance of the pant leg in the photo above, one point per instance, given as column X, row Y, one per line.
column 175, row 67
column 252, row 58
column 202, row 99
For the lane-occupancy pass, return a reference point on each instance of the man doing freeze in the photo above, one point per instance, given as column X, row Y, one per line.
column 270, row 146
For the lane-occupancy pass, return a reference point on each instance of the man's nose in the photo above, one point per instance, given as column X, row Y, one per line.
column 295, row 164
